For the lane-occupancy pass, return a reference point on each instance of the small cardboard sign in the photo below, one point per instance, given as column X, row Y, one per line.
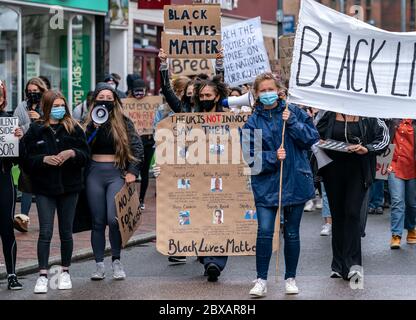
column 180, row 46
column 383, row 163
column 191, row 16
column 142, row 112
column 9, row 144
column 129, row 215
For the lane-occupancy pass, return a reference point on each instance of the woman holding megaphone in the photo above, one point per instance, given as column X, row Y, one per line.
column 117, row 156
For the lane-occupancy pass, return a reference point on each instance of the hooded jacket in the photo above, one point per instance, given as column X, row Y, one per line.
column 300, row 135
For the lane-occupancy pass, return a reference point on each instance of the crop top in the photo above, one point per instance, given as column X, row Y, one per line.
column 103, row 143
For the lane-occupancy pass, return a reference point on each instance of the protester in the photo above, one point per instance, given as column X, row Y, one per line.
column 113, row 80
column 129, row 80
column 402, row 181
column 81, row 111
column 55, row 153
column 326, row 214
column 346, row 181
column 117, row 157
column 298, row 187
column 7, row 204
column 46, row 81
column 139, row 91
column 27, row 112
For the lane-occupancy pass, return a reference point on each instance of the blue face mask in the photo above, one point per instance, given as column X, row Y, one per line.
column 269, row 98
column 58, row 113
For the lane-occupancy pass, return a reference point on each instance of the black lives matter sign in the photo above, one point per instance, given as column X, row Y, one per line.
column 192, row 31
column 9, row 144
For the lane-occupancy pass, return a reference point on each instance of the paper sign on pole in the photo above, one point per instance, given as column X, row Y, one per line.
column 204, row 208
column 245, row 54
column 142, row 112
column 383, row 163
column 345, row 65
column 129, row 215
column 9, row 144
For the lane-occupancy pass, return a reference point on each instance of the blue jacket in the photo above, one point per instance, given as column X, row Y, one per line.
column 300, row 135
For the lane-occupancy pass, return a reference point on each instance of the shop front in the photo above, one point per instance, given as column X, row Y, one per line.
column 39, row 39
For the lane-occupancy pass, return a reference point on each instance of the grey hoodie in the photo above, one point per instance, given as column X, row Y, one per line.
column 23, row 115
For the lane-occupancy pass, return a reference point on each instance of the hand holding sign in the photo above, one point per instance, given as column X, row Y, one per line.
column 163, row 56
column 18, row 133
column 358, row 149
column 130, row 178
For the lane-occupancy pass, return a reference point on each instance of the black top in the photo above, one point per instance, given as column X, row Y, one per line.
column 103, row 143
column 352, row 134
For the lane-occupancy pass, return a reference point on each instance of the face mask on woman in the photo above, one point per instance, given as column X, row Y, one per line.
column 207, row 105
column 109, row 105
column 58, row 113
column 269, row 98
column 34, row 97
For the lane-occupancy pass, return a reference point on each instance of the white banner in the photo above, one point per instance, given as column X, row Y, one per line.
column 345, row 65
column 9, row 144
column 245, row 54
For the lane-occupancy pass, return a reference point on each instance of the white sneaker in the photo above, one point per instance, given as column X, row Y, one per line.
column 99, row 274
column 118, row 270
column 41, row 285
column 291, row 287
column 326, row 229
column 64, row 281
column 318, row 203
column 260, row 288
column 309, row 206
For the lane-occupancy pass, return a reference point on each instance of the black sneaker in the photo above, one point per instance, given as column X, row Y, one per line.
column 213, row 272
column 379, row 210
column 177, row 259
column 335, row 275
column 14, row 284
column 142, row 206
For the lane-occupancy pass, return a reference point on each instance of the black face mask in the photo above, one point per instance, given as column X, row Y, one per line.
column 34, row 98
column 207, row 105
column 109, row 105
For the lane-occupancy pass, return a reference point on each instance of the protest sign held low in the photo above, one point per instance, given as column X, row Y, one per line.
column 142, row 112
column 205, row 204
column 345, row 65
column 128, row 212
column 9, row 144
column 383, row 163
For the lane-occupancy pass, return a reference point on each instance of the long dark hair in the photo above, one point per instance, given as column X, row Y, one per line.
column 219, row 87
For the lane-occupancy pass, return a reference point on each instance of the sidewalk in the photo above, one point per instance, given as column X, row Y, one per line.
column 27, row 242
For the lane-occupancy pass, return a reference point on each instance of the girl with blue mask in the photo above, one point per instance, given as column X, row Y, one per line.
column 55, row 151
column 297, row 182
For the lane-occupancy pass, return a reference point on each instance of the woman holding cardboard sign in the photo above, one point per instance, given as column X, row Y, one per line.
column 7, row 205
column 55, row 152
column 117, row 156
column 270, row 115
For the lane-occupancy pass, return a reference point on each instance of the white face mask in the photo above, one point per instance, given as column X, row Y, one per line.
column 113, row 85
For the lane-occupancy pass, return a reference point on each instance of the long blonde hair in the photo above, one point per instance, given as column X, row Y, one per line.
column 119, row 132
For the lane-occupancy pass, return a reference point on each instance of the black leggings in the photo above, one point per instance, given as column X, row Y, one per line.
column 149, row 150
column 7, row 207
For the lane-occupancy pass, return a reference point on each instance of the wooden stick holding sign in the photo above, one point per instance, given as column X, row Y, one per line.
column 129, row 215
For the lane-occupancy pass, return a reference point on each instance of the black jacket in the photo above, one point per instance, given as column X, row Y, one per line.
column 40, row 141
column 136, row 146
column 374, row 136
column 394, row 124
column 6, row 164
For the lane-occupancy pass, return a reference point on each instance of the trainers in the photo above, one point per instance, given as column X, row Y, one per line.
column 371, row 211
column 291, row 287
column 309, row 206
column 260, row 288
column 335, row 275
column 213, row 272
column 64, row 281
column 326, row 229
column 99, row 274
column 379, row 210
column 142, row 206
column 21, row 222
column 395, row 242
column 177, row 259
column 13, row 283
column 41, row 285
column 318, row 203
column 354, row 274
column 118, row 271
column 411, row 236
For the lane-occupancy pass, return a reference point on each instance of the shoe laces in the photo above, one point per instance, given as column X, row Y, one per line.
column 12, row 280
column 396, row 237
column 260, row 282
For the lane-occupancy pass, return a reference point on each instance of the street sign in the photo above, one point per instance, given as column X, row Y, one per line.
column 288, row 24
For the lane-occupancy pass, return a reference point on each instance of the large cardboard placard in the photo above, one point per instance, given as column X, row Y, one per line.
column 9, row 144
column 191, row 67
column 129, row 215
column 142, row 112
column 286, row 43
column 204, row 209
column 187, row 17
column 180, row 46
column 383, row 163
column 245, row 54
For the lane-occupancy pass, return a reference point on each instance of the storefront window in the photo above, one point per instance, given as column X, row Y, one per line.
column 9, row 28
column 146, row 36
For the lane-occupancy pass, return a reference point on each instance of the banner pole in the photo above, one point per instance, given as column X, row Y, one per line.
column 277, row 221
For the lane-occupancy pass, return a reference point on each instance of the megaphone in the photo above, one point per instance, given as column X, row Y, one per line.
column 244, row 100
column 99, row 114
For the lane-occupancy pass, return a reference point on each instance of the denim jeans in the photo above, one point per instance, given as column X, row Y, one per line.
column 403, row 204
column 26, row 203
column 326, row 213
column 377, row 195
column 266, row 219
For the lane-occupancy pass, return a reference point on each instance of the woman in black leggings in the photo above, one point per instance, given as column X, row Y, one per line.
column 7, row 205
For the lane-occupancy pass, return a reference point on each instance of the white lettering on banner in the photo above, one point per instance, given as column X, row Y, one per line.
column 9, row 144
column 383, row 163
column 245, row 53
column 344, row 65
